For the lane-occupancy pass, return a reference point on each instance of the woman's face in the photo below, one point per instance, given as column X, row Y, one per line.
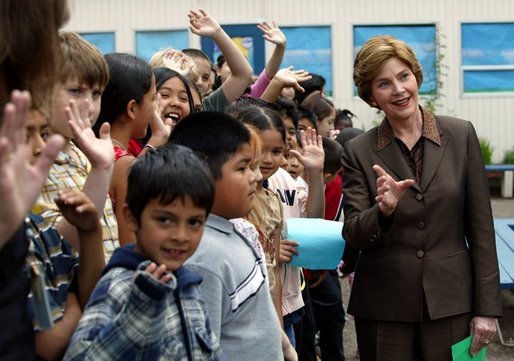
column 395, row 90
column 174, row 100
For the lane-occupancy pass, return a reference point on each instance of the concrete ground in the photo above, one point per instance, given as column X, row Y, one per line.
column 502, row 208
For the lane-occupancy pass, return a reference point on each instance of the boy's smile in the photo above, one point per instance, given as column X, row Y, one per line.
column 168, row 234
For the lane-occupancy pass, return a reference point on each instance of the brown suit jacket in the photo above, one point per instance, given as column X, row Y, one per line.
column 441, row 242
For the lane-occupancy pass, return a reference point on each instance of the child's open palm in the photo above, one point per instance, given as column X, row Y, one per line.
column 20, row 181
column 203, row 24
column 99, row 151
column 78, row 209
column 272, row 33
column 289, row 77
column 313, row 154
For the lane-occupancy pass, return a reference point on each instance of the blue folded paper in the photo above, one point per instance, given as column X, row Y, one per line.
column 321, row 242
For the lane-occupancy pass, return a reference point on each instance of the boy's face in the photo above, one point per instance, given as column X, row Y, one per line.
column 61, row 96
column 168, row 234
column 204, row 82
column 236, row 187
column 294, row 167
column 37, row 134
column 305, row 123
column 290, row 132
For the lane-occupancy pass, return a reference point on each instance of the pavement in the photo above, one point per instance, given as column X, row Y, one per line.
column 502, row 208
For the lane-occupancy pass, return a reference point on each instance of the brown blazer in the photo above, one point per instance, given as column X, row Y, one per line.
column 441, row 242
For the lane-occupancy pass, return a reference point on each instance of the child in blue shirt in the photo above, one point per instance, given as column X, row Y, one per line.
column 147, row 306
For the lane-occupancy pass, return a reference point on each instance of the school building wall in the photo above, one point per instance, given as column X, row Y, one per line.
column 491, row 113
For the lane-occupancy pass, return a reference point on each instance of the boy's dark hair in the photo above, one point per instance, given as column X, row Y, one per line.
column 167, row 174
column 307, row 114
column 290, row 109
column 316, row 83
column 130, row 78
column 213, row 136
column 333, row 152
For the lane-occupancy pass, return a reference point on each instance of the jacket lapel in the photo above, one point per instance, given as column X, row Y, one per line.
column 432, row 156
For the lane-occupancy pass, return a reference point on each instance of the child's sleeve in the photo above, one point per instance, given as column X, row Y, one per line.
column 260, row 85
column 123, row 318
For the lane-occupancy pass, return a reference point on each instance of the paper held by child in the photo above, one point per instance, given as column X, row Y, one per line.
column 320, row 241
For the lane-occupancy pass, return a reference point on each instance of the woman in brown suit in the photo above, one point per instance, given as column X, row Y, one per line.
column 418, row 209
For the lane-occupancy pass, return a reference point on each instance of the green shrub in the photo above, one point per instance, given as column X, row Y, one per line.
column 487, row 150
column 508, row 156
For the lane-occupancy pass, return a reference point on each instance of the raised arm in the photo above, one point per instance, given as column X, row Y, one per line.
column 100, row 153
column 286, row 77
column 273, row 34
column 203, row 24
column 20, row 181
column 312, row 159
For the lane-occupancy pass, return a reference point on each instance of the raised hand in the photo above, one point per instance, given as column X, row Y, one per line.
column 78, row 209
column 20, row 181
column 389, row 191
column 289, row 77
column 313, row 154
column 272, row 33
column 161, row 127
column 178, row 61
column 159, row 273
column 99, row 151
column 202, row 24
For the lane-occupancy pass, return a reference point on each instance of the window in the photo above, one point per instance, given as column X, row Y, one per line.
column 103, row 41
column 310, row 48
column 488, row 57
column 421, row 38
column 149, row 42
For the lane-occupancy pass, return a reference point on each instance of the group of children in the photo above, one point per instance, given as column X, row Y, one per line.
column 160, row 229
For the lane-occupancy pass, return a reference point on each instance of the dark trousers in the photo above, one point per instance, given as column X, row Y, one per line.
column 324, row 312
column 329, row 316
column 428, row 340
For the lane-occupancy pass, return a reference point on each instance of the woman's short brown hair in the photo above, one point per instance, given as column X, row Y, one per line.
column 373, row 55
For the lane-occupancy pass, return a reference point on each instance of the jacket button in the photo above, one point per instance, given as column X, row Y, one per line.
column 421, row 225
column 419, row 196
column 420, row 254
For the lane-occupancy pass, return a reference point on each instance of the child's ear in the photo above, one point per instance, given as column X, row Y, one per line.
column 131, row 109
column 130, row 220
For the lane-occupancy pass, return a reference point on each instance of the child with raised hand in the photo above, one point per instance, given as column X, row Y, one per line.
column 202, row 24
column 52, row 261
column 147, row 306
column 128, row 106
column 273, row 34
column 86, row 165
